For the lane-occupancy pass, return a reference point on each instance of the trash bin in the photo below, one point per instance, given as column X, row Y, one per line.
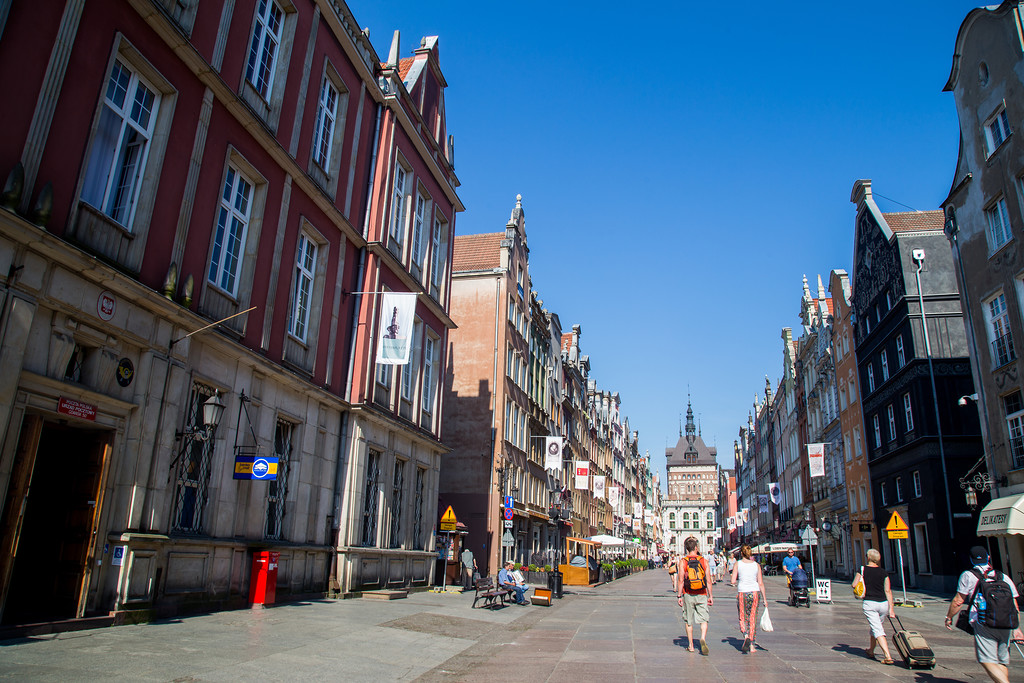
column 263, row 582
column 555, row 583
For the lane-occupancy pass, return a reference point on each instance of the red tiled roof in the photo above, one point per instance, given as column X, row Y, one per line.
column 909, row 221
column 831, row 306
column 404, row 65
column 477, row 252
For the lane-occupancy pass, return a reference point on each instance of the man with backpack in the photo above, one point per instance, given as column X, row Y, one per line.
column 991, row 599
column 694, row 592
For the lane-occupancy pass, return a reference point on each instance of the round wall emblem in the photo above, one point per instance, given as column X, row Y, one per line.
column 125, row 372
column 260, row 468
column 106, row 304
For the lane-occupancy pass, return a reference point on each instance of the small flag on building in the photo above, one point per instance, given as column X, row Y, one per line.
column 395, row 331
column 762, row 502
column 775, row 492
column 613, row 496
column 599, row 488
column 816, row 459
column 583, row 474
column 553, row 453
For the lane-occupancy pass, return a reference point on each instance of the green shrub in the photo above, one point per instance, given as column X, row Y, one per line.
column 533, row 567
column 547, row 567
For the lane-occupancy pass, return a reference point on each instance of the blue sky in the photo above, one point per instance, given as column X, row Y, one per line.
column 683, row 165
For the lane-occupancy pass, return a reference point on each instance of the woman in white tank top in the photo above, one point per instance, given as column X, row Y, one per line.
column 746, row 576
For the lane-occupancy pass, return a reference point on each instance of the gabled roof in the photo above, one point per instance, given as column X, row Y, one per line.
column 477, row 252
column 914, row 221
column 403, row 66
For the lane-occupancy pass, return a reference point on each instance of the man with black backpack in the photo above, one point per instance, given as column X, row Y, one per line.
column 694, row 591
column 992, row 602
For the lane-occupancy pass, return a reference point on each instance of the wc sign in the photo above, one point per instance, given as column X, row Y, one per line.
column 256, row 467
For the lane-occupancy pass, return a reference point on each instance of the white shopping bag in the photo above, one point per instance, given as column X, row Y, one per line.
column 766, row 621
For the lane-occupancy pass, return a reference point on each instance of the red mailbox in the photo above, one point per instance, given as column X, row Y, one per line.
column 263, row 582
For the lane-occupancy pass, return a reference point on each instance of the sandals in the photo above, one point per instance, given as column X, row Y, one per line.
column 690, row 649
column 887, row 660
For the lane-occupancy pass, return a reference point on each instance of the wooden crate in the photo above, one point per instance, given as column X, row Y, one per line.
column 541, row 596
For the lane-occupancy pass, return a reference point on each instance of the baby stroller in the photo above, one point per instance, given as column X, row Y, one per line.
column 798, row 585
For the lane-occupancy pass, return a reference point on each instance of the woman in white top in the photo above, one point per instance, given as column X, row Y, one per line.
column 747, row 574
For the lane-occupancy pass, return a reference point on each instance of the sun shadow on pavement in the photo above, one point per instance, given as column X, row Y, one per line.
column 854, row 650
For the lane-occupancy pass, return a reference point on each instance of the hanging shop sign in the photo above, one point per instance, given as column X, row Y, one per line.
column 259, row 467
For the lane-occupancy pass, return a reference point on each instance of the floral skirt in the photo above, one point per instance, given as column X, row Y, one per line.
column 746, row 605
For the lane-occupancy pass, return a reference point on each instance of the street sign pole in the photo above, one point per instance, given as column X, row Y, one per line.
column 903, row 581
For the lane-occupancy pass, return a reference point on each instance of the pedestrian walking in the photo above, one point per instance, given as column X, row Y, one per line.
column 877, row 602
column 747, row 577
column 694, row 592
column 991, row 599
column 712, row 568
column 673, row 566
column 468, row 569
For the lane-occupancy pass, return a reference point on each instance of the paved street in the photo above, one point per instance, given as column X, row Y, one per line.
column 630, row 629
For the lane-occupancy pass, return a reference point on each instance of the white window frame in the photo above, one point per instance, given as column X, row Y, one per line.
column 409, row 370
column 899, row 488
column 119, row 157
column 884, row 358
column 871, row 377
column 265, row 48
column 306, row 254
column 438, row 256
column 997, row 218
column 881, row 491
column 324, row 129
column 997, row 130
column 399, row 208
column 231, row 230
column 908, row 412
column 878, row 430
column 901, row 358
column 419, row 220
column 431, row 347
column 891, row 414
column 916, row 477
column 997, row 318
column 922, row 547
column 1015, row 427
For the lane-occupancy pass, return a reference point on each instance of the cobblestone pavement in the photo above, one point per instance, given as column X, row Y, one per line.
column 630, row 629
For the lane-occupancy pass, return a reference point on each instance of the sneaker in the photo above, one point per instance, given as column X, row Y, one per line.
column 746, row 646
column 703, row 646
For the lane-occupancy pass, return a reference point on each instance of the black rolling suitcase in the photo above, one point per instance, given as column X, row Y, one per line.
column 912, row 647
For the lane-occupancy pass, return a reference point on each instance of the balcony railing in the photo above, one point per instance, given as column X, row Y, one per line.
column 1002, row 350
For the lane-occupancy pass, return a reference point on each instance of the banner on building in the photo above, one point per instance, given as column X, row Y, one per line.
column 613, row 496
column 638, row 510
column 732, row 524
column 553, row 453
column 599, row 488
column 743, row 515
column 816, row 458
column 762, row 502
column 775, row 491
column 396, row 315
column 649, row 516
column 583, row 474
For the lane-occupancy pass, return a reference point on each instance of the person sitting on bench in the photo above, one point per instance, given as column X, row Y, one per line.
column 506, row 580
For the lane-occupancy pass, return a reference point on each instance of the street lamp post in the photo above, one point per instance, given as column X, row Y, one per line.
column 918, row 256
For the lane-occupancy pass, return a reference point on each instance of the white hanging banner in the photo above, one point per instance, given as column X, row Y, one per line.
column 599, row 488
column 583, row 474
column 395, row 331
column 553, row 453
column 613, row 496
column 762, row 502
column 638, row 510
column 775, row 492
column 732, row 523
column 816, row 457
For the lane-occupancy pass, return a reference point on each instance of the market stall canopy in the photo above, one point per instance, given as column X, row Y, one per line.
column 1002, row 516
column 607, row 541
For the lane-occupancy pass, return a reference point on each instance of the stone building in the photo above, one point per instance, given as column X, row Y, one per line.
column 985, row 223
column 913, row 366
column 196, row 194
column 692, row 500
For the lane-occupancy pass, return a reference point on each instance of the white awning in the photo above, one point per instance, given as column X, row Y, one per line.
column 1002, row 516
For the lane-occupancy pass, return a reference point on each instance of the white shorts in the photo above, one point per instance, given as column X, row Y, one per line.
column 991, row 645
column 875, row 611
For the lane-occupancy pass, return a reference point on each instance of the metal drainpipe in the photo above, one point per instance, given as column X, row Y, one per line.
column 935, row 395
column 494, row 393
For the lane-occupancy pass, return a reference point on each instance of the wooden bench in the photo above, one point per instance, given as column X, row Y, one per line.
column 491, row 595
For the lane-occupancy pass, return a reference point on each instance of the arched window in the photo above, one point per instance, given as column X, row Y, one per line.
column 686, row 515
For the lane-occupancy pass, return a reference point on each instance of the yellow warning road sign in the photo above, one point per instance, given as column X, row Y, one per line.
column 448, row 521
column 896, row 523
column 898, row 533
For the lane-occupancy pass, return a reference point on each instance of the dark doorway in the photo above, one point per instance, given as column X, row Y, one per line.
column 61, row 505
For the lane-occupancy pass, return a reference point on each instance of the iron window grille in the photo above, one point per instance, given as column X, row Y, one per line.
column 417, row 519
column 193, row 477
column 277, row 491
column 371, row 496
column 395, row 521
